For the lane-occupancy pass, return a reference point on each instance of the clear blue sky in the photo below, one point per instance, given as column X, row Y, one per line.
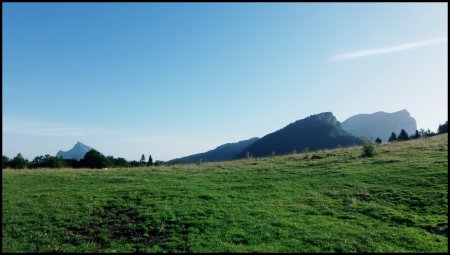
column 181, row 78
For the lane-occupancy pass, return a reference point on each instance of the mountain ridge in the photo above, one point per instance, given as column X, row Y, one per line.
column 318, row 131
column 222, row 152
column 77, row 152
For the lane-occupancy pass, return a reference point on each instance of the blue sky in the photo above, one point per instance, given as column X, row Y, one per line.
column 173, row 79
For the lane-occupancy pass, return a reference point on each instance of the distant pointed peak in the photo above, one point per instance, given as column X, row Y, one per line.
column 80, row 144
column 77, row 152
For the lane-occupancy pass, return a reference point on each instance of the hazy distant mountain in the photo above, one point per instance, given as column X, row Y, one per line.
column 77, row 152
column 224, row 152
column 380, row 124
column 316, row 132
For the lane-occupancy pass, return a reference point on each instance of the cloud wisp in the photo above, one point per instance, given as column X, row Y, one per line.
column 387, row 50
column 41, row 129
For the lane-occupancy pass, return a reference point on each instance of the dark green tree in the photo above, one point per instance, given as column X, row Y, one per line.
column 37, row 162
column 112, row 160
column 159, row 163
column 73, row 163
column 121, row 162
column 150, row 161
column 5, row 162
column 378, row 140
column 18, row 162
column 442, row 129
column 57, row 162
column 416, row 135
column 422, row 132
column 48, row 161
column 142, row 161
column 428, row 133
column 134, row 163
column 94, row 159
column 393, row 137
column 118, row 162
column 115, row 162
column 53, row 162
column 403, row 136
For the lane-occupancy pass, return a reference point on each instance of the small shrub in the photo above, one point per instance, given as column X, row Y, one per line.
column 307, row 156
column 316, row 157
column 368, row 148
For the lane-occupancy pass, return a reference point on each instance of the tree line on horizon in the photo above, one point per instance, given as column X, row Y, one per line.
column 368, row 145
column 403, row 135
column 92, row 159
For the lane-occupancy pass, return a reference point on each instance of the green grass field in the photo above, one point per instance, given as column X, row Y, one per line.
column 335, row 201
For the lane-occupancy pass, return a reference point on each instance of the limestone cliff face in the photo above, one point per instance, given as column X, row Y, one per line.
column 380, row 124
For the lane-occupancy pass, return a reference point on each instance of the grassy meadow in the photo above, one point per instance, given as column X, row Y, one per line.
column 326, row 201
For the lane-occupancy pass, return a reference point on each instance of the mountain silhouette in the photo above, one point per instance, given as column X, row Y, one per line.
column 77, row 152
column 380, row 124
column 320, row 131
column 223, row 152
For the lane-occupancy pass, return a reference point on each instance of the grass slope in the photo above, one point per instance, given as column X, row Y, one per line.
column 334, row 201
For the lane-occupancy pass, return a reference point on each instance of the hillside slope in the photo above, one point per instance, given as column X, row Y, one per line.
column 320, row 131
column 223, row 152
column 326, row 201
